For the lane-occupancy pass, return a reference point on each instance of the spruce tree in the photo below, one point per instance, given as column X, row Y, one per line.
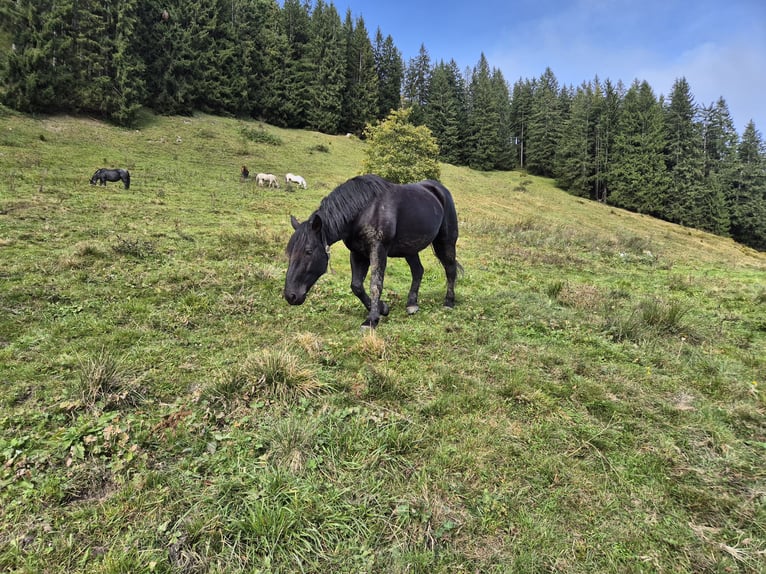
column 41, row 75
column 575, row 162
column 543, row 133
column 442, row 114
column 129, row 69
column 360, row 96
column 504, row 157
column 689, row 201
column 327, row 65
column 390, row 69
column 483, row 119
column 638, row 178
column 720, row 163
column 521, row 112
column 416, row 80
column 298, row 67
column 747, row 199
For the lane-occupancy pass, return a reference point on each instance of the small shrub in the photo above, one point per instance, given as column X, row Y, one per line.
column 321, row 148
column 260, row 135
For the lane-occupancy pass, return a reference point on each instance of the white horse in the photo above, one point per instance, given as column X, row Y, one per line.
column 296, row 179
column 268, row 179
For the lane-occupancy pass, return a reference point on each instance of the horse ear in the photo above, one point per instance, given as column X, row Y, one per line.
column 295, row 223
column 316, row 223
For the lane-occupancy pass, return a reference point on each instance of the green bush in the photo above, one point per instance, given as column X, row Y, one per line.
column 400, row 151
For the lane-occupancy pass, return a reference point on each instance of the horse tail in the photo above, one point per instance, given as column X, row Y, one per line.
column 448, row 233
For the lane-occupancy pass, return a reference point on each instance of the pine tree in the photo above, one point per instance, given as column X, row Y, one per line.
column 521, row 112
column 390, row 70
column 167, row 55
column 720, row 163
column 638, row 178
column 40, row 74
column 483, row 119
column 416, row 80
column 360, row 97
column 575, row 162
column 747, row 198
column 688, row 204
column 443, row 113
column 327, row 65
column 606, row 132
column 543, row 133
column 298, row 68
column 504, row 157
column 129, row 68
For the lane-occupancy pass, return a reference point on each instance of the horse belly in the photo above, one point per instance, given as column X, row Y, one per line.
column 416, row 228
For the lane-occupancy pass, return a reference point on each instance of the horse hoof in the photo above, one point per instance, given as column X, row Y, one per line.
column 384, row 309
column 369, row 324
column 412, row 309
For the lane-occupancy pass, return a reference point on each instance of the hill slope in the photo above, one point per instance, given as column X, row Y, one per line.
column 592, row 404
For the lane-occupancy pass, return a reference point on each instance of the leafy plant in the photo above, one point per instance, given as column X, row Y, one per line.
column 399, row 151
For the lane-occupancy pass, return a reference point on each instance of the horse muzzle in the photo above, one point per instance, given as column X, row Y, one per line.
column 295, row 298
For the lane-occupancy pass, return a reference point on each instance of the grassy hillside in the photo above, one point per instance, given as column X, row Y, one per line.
column 592, row 404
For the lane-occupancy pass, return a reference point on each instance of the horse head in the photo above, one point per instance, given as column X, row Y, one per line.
column 308, row 255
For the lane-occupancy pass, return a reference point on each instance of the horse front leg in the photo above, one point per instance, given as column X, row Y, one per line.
column 359, row 266
column 378, row 260
column 416, row 269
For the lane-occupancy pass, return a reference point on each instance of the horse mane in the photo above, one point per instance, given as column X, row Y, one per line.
column 345, row 202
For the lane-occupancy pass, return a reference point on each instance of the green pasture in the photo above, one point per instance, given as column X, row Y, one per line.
column 593, row 403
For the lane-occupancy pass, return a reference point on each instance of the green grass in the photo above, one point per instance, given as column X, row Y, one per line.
column 593, row 403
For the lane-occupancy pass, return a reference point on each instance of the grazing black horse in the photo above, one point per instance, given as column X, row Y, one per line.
column 376, row 219
column 103, row 175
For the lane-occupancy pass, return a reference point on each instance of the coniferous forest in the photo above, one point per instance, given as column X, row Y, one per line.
column 302, row 64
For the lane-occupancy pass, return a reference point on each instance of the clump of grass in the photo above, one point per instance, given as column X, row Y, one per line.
column 276, row 375
column 310, row 343
column 371, row 345
column 134, row 247
column 99, row 378
column 321, row 148
column 553, row 290
column 649, row 319
column 291, row 442
column 260, row 135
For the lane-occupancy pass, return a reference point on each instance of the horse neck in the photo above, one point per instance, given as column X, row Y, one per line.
column 333, row 228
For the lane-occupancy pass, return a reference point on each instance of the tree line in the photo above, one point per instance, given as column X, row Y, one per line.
column 301, row 65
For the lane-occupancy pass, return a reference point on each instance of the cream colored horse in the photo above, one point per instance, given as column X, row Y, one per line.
column 296, row 179
column 268, row 179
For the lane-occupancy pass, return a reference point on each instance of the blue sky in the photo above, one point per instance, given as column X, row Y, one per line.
column 718, row 46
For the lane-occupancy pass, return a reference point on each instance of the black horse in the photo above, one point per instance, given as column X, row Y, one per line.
column 376, row 219
column 103, row 175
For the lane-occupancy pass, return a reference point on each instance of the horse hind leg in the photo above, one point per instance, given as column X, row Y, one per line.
column 445, row 253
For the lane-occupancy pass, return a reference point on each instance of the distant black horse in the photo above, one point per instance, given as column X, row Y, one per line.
column 103, row 175
column 376, row 219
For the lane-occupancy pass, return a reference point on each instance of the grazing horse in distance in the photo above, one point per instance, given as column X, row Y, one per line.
column 268, row 179
column 103, row 175
column 245, row 172
column 375, row 219
column 296, row 179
